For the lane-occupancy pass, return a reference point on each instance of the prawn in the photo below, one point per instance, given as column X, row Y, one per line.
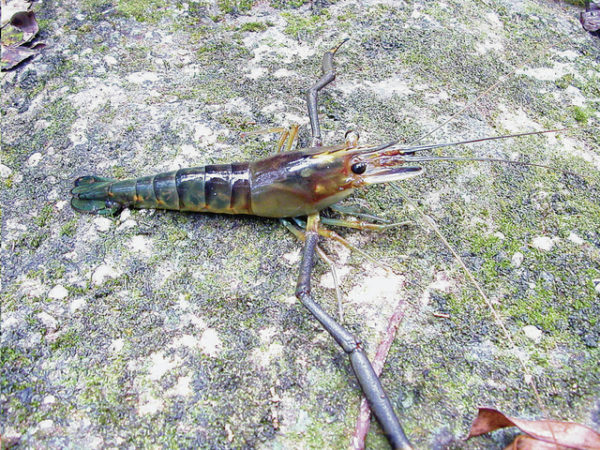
column 287, row 185
column 292, row 184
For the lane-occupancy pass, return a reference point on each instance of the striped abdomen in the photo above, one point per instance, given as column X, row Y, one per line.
column 222, row 188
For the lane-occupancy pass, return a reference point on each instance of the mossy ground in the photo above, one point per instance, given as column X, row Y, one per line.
column 129, row 88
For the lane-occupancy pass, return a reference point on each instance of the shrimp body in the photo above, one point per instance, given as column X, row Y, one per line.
column 285, row 185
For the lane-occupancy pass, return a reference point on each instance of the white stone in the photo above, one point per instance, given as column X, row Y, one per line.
column 9, row 322
column 141, row 77
column 102, row 273
column 517, row 259
column 161, row 365
column 5, row 171
column 46, row 425
column 77, row 304
column 116, row 345
column 127, row 224
column 292, row 257
column 33, row 288
column 34, row 159
column 53, row 195
column 48, row 321
column 575, row 239
column 110, row 60
column 182, row 387
column 125, row 214
column 533, row 333
column 32, row 340
column 543, row 243
column 102, row 224
column 210, row 343
column 151, row 406
column 49, row 400
column 140, row 244
column 58, row 292
column 187, row 340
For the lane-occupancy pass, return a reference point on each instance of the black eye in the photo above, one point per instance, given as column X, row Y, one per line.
column 359, row 168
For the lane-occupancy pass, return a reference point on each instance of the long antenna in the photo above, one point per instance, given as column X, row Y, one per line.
column 419, row 148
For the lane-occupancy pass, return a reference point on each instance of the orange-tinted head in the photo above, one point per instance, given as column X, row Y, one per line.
column 301, row 183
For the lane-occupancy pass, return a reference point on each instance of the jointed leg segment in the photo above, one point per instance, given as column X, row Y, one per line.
column 312, row 94
column 368, row 380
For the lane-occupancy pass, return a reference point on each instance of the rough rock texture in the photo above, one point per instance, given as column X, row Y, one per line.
column 181, row 330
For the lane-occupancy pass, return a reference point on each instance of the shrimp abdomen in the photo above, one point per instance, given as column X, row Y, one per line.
column 223, row 188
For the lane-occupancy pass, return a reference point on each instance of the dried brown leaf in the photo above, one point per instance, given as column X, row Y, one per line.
column 524, row 442
column 19, row 27
column 590, row 19
column 13, row 56
column 555, row 433
column 25, row 21
column 11, row 8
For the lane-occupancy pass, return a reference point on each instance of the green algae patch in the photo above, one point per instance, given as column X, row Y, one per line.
column 151, row 11
column 300, row 25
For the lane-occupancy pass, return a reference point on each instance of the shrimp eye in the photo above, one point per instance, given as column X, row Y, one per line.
column 359, row 168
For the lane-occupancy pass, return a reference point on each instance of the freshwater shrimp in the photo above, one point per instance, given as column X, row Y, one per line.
column 269, row 343
column 288, row 185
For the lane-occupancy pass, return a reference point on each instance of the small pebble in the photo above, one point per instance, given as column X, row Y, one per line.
column 142, row 77
column 543, row 243
column 125, row 214
column 76, row 305
column 110, row 60
column 116, row 346
column 517, row 259
column 58, row 292
column 102, row 273
column 48, row 321
column 41, row 125
column 34, row 159
column 9, row 322
column 5, row 171
column 102, row 224
column 533, row 333
column 49, row 400
column 46, row 425
column 575, row 239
